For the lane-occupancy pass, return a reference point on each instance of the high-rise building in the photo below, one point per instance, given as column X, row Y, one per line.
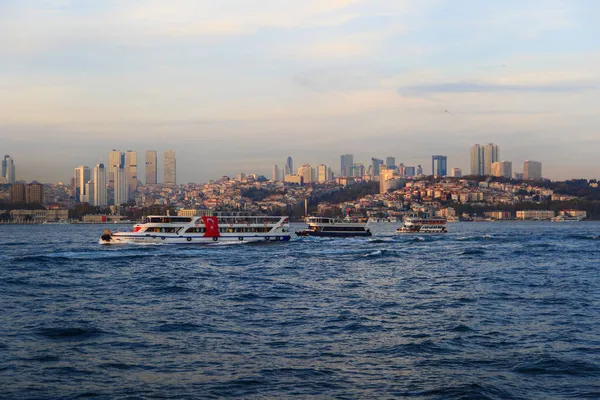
column 82, row 176
column 477, row 160
column 100, row 197
column 116, row 159
column 290, row 163
column 390, row 162
column 357, row 170
column 502, row 169
column 322, row 173
column 439, row 165
column 286, row 171
column 34, row 193
column 131, row 172
column 9, row 171
column 307, row 173
column 89, row 192
column 170, row 168
column 456, row 172
column 276, row 175
column 120, row 186
column 151, row 167
column 375, row 164
column 532, row 170
column 419, row 170
column 16, row 193
column 491, row 154
column 346, row 161
column 409, row 171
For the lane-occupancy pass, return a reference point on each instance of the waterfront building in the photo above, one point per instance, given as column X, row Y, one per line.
column 322, row 173
column 100, row 196
column 16, row 193
column 82, row 176
column 390, row 162
column 39, row 216
column 116, row 159
column 276, row 175
column 131, row 172
column 120, row 186
column 34, row 193
column 439, row 165
column 346, row 161
column 170, row 170
column 151, row 167
column 502, row 169
column 456, row 172
column 535, row 214
column 532, row 170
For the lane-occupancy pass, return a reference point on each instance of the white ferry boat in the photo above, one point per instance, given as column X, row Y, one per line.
column 566, row 218
column 414, row 223
column 196, row 230
column 330, row 227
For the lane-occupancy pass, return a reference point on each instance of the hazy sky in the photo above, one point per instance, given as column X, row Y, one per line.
column 238, row 85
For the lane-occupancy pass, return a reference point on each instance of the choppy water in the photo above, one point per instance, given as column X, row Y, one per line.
column 492, row 311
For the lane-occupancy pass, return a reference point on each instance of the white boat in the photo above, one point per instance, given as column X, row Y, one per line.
column 206, row 229
column 566, row 218
column 330, row 227
column 414, row 223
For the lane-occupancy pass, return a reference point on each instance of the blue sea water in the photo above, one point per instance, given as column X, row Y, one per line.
column 488, row 311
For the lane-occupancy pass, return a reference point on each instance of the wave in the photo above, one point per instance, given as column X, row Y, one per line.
column 550, row 365
column 382, row 240
column 62, row 333
column 473, row 252
column 584, row 237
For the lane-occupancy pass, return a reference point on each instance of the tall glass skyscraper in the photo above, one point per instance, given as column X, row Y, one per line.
column 290, row 164
column 131, row 172
column 346, row 161
column 439, row 165
column 100, row 186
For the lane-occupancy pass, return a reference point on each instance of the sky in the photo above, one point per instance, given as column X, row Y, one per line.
column 238, row 85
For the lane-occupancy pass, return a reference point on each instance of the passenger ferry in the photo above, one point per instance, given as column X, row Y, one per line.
column 331, row 227
column 206, row 229
column 414, row 223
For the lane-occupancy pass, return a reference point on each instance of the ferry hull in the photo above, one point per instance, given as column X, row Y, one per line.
column 116, row 239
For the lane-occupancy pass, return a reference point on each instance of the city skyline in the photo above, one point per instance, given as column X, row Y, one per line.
column 315, row 79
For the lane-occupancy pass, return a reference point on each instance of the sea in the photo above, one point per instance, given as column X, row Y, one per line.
column 507, row 310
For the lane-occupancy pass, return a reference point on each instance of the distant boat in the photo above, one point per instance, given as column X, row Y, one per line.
column 414, row 223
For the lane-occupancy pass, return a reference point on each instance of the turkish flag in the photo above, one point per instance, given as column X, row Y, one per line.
column 212, row 226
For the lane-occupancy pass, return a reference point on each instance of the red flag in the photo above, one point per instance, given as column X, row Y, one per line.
column 212, row 226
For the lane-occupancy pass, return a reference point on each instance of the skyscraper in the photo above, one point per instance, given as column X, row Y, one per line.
column 131, row 172
column 120, row 186
column 357, row 170
column 276, row 175
column 89, row 192
column 151, row 170
column 34, row 193
column 456, row 172
column 532, row 170
column 439, row 165
column 322, row 173
column 408, row 171
column 375, row 164
column 307, row 173
column 491, row 154
column 390, row 162
column 8, row 169
column 116, row 159
column 170, row 171
column 419, row 170
column 82, row 176
column 286, row 171
column 502, row 169
column 346, row 161
column 477, row 163
column 290, row 163
column 100, row 199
